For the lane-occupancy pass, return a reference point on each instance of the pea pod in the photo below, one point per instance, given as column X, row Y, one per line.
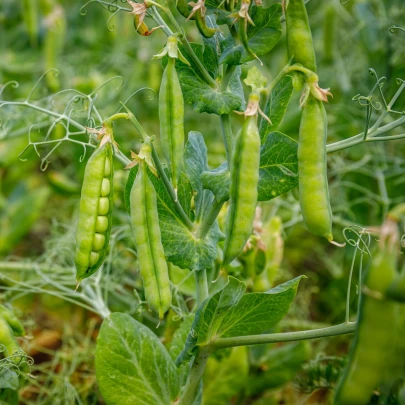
column 373, row 353
column 147, row 237
column 94, row 226
column 243, row 188
column 53, row 43
column 12, row 320
column 202, row 26
column 299, row 37
column 184, row 9
column 30, row 15
column 171, row 113
column 313, row 182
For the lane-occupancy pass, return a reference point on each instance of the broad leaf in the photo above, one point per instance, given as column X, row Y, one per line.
column 225, row 378
column 278, row 172
column 278, row 166
column 262, row 37
column 218, row 181
column 197, row 92
column 132, row 365
column 231, row 312
column 235, row 86
column 276, row 106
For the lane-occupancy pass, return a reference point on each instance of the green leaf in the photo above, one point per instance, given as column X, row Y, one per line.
column 278, row 172
column 128, row 187
column 278, row 166
column 197, row 92
column 218, row 181
column 235, row 86
column 185, row 193
column 225, row 378
column 277, row 367
column 231, row 312
column 276, row 106
column 262, row 37
column 132, row 365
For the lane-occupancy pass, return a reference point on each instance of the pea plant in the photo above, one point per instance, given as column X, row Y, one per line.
column 187, row 218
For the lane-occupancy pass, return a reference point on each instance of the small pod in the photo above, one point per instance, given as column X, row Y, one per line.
column 184, row 9
column 373, row 354
column 94, row 226
column 148, row 243
column 313, row 181
column 171, row 117
column 299, row 37
column 243, row 189
column 202, row 26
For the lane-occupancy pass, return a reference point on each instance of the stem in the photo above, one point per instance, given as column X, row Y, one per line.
column 227, row 136
column 202, row 286
column 196, row 372
column 341, row 329
column 209, row 219
column 347, row 318
column 371, row 136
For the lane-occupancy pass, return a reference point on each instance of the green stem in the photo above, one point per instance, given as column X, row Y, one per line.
column 209, row 219
column 202, row 286
column 189, row 392
column 341, row 329
column 349, row 287
column 117, row 117
column 372, row 136
column 227, row 136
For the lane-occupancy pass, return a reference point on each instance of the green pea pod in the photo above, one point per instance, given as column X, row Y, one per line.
column 10, row 345
column 147, row 236
column 53, row 44
column 94, row 226
column 202, row 26
column 313, row 182
column 12, row 320
column 30, row 16
column 171, row 116
column 396, row 291
column 373, row 352
column 299, row 37
column 243, row 189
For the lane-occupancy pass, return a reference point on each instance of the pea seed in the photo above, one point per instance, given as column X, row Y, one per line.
column 105, row 187
column 101, row 224
column 94, row 256
column 103, row 206
column 107, row 168
column 98, row 241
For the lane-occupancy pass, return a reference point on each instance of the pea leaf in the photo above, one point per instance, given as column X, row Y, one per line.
column 231, row 312
column 225, row 378
column 235, row 86
column 197, row 92
column 278, row 172
column 218, row 181
column 276, row 106
column 278, row 166
column 262, row 37
column 132, row 365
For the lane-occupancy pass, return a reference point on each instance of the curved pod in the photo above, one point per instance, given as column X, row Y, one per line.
column 243, row 189
column 147, row 237
column 95, row 215
column 313, row 181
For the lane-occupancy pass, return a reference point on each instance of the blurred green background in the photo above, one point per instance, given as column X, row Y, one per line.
column 38, row 208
